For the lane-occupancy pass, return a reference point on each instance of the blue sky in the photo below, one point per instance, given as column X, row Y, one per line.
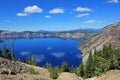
column 57, row 15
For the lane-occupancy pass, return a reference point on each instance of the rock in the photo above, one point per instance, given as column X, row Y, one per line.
column 5, row 71
column 109, row 35
column 23, row 71
column 68, row 76
column 13, row 73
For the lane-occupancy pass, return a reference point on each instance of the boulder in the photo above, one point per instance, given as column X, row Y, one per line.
column 68, row 76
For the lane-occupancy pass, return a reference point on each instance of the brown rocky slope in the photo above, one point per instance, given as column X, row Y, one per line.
column 109, row 34
column 15, row 70
column 109, row 75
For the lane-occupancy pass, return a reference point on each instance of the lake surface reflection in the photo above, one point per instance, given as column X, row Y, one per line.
column 53, row 50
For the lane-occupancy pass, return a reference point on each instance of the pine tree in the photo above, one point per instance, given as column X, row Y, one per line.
column 12, row 54
column 31, row 61
column 6, row 52
column 89, row 66
column 80, row 70
column 0, row 53
column 48, row 65
column 54, row 72
column 5, row 49
column 64, row 67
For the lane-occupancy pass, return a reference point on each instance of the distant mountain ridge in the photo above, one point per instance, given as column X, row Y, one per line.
column 72, row 34
column 109, row 35
column 76, row 30
column 87, row 30
column 4, row 34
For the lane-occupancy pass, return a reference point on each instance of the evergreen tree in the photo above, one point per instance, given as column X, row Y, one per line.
column 6, row 52
column 48, row 66
column 31, row 61
column 80, row 70
column 12, row 54
column 54, row 72
column 101, row 65
column 0, row 53
column 89, row 66
column 73, row 69
column 5, row 49
column 64, row 67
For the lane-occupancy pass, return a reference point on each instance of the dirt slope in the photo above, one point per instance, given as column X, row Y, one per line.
column 110, row 75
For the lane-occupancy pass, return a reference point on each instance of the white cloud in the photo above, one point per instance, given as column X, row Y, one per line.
column 49, row 48
column 24, row 53
column 47, row 16
column 82, row 15
column 113, row 1
column 79, row 56
column 22, row 14
column 29, row 10
column 70, row 12
column 33, row 9
column 90, row 21
column 58, row 54
column 38, row 58
column 83, row 9
column 56, row 11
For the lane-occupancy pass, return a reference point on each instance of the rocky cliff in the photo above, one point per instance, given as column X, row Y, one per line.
column 109, row 34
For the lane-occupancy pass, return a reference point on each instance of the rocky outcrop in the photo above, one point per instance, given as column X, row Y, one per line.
column 109, row 34
column 69, row 76
column 12, row 67
column 109, row 75
column 15, row 70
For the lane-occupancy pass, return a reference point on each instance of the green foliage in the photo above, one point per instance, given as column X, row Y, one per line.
column 80, row 71
column 54, row 72
column 89, row 66
column 73, row 69
column 48, row 66
column 1, row 53
column 31, row 61
column 6, row 52
column 12, row 54
column 64, row 67
column 106, row 59
column 32, row 71
column 101, row 65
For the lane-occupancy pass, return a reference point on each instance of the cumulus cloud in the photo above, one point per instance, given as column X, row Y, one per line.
column 70, row 12
column 47, row 16
column 21, row 14
column 90, row 21
column 58, row 54
column 24, row 53
column 79, row 56
column 38, row 58
column 33, row 9
column 56, row 11
column 113, row 1
column 49, row 48
column 29, row 10
column 82, row 15
column 83, row 9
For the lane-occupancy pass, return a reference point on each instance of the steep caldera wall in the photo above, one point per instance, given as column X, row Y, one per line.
column 109, row 34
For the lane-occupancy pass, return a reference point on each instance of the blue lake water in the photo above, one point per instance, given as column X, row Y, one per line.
column 53, row 50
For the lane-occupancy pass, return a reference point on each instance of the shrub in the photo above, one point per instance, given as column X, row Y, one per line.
column 32, row 71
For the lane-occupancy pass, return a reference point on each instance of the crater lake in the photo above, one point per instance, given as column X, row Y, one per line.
column 52, row 50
